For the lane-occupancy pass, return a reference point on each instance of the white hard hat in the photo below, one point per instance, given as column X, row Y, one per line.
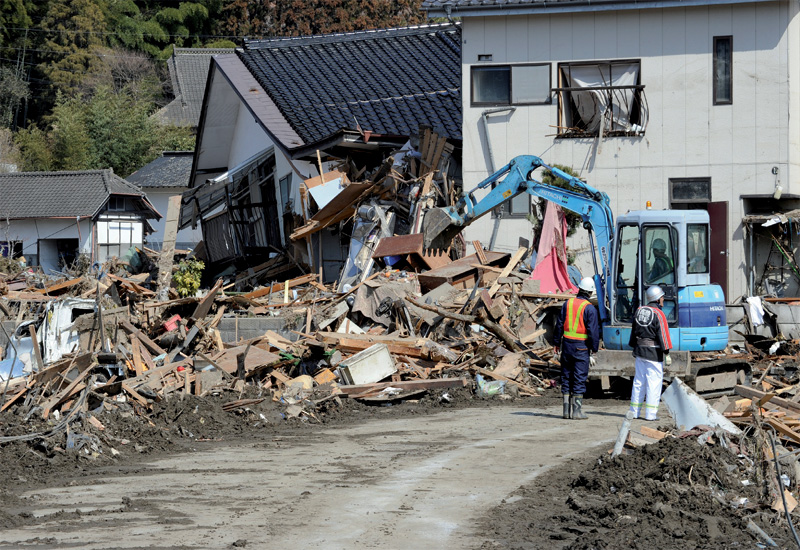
column 654, row 293
column 587, row 284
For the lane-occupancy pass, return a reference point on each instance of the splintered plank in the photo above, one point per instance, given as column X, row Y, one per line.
column 752, row 393
column 143, row 338
column 784, row 430
column 59, row 287
column 204, row 306
column 479, row 252
column 302, row 280
column 652, row 433
column 65, row 393
column 13, row 398
column 137, row 355
column 512, row 263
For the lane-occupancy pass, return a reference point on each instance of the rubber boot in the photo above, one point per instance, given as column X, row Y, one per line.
column 577, row 408
column 567, row 406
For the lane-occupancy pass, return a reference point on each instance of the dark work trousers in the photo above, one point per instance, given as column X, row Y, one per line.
column 574, row 366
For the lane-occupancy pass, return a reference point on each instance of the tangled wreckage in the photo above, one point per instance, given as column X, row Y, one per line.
column 399, row 323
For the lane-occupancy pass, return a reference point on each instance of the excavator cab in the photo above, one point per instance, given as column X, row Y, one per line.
column 668, row 248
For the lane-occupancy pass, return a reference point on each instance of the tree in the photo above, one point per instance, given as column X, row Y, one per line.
column 77, row 31
column 120, row 69
column 297, row 17
column 69, row 135
column 13, row 90
column 35, row 149
column 106, row 130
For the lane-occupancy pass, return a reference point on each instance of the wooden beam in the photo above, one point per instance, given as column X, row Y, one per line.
column 297, row 281
column 37, row 352
column 752, row 393
column 167, row 254
column 64, row 394
column 512, row 263
column 143, row 338
column 137, row 355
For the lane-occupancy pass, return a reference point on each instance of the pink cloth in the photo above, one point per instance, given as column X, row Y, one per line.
column 551, row 258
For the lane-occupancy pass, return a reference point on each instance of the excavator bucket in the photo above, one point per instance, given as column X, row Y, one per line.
column 438, row 229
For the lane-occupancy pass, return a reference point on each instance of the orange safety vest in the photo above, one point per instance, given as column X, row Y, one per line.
column 574, row 327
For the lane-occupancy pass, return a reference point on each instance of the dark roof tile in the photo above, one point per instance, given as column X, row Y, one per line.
column 188, row 69
column 172, row 169
column 387, row 81
column 59, row 194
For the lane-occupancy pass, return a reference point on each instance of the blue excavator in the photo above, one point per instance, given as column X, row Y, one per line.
column 668, row 248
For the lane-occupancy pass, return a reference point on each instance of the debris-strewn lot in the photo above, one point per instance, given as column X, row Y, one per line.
column 143, row 355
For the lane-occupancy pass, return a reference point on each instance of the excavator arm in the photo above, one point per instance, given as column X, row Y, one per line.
column 440, row 225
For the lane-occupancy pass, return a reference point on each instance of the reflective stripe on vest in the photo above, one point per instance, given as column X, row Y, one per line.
column 574, row 328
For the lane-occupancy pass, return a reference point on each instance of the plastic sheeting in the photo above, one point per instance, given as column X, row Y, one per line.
column 592, row 104
column 551, row 260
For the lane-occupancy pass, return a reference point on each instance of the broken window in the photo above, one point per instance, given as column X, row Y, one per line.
column 523, row 84
column 723, row 75
column 601, row 99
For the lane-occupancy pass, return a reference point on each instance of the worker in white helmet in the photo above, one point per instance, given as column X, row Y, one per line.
column 576, row 337
column 651, row 344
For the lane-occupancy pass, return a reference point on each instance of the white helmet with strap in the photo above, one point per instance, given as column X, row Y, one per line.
column 587, row 285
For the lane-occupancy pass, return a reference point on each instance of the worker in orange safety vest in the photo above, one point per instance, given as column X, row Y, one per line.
column 576, row 337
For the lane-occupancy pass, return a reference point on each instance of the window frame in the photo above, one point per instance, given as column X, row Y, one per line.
column 706, row 246
column 729, row 76
column 114, row 202
column 673, row 181
column 639, row 97
column 510, row 66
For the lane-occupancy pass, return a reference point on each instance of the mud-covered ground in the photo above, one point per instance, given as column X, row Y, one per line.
column 672, row 494
column 675, row 493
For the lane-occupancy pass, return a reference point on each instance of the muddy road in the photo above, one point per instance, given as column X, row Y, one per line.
column 416, row 481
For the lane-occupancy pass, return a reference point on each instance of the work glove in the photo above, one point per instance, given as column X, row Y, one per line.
column 556, row 351
column 668, row 360
column 592, row 361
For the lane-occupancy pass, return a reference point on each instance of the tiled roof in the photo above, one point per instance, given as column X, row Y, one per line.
column 386, row 81
column 59, row 194
column 171, row 169
column 188, row 70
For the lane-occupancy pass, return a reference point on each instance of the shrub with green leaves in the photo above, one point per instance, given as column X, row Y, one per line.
column 187, row 278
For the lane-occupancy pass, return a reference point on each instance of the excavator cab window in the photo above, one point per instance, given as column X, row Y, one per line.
column 626, row 276
column 660, row 264
column 697, row 248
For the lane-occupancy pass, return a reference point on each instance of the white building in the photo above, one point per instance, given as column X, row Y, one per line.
column 684, row 104
column 52, row 217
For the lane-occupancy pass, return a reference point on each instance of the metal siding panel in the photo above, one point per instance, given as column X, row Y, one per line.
column 674, row 97
column 697, row 88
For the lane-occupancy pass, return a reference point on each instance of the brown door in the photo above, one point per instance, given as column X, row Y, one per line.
column 718, row 214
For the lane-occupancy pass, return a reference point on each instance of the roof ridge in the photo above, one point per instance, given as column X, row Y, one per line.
column 54, row 173
column 197, row 51
column 367, row 34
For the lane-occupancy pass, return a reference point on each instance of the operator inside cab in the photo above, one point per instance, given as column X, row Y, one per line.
column 663, row 266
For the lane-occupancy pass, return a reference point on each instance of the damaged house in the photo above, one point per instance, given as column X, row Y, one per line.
column 680, row 105
column 279, row 112
column 165, row 177
column 51, row 218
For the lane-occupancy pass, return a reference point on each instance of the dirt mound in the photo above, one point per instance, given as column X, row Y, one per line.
column 675, row 493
